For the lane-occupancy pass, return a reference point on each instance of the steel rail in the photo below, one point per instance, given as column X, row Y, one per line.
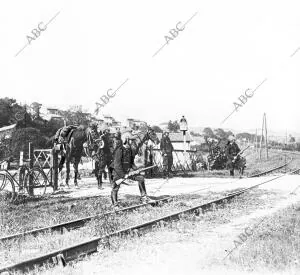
column 70, row 253
column 271, row 170
column 74, row 224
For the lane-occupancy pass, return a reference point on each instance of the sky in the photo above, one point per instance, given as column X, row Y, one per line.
column 225, row 48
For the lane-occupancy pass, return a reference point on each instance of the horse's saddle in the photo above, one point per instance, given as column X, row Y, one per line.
column 62, row 140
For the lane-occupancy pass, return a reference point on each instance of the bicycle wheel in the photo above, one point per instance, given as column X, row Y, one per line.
column 7, row 184
column 39, row 179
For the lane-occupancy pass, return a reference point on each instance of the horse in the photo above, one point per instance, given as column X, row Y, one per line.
column 138, row 138
column 80, row 139
column 103, row 156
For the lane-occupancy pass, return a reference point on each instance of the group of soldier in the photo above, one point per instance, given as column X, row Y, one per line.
column 227, row 157
column 117, row 155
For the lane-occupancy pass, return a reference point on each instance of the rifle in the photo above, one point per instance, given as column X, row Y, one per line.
column 132, row 173
column 239, row 153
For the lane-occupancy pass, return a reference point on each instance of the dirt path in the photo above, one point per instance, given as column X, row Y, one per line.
column 159, row 187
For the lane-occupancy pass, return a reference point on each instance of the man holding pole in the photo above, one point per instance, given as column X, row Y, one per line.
column 232, row 151
column 124, row 168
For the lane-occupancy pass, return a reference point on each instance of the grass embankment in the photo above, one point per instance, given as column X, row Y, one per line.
column 27, row 247
column 274, row 245
column 187, row 229
column 15, row 218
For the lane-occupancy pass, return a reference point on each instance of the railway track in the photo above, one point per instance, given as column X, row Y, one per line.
column 74, row 224
column 70, row 253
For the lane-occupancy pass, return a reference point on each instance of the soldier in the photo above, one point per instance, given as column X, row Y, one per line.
column 148, row 156
column 123, row 162
column 167, row 151
column 100, row 160
column 232, row 152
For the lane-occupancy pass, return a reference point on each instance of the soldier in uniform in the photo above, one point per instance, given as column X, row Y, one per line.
column 100, row 160
column 123, row 162
column 148, row 156
column 232, row 153
column 167, row 151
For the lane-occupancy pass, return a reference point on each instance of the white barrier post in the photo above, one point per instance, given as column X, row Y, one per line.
column 21, row 158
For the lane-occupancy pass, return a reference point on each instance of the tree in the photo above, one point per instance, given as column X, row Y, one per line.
column 156, row 129
column 208, row 132
column 220, row 133
column 20, row 141
column 292, row 139
column 173, row 126
column 9, row 110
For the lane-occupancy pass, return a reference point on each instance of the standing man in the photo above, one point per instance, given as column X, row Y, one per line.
column 232, row 152
column 123, row 163
column 148, row 156
column 167, row 151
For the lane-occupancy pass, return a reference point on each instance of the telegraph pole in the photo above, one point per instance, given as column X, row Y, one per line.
column 261, row 138
column 264, row 131
column 266, row 135
column 255, row 141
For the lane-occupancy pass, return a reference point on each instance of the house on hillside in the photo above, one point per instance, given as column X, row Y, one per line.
column 117, row 125
column 97, row 121
column 134, row 123
column 52, row 114
column 108, row 120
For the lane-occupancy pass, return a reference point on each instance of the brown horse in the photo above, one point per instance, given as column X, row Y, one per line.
column 139, row 138
column 81, row 140
column 104, row 156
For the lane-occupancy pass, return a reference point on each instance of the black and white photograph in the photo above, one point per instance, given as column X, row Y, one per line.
column 150, row 137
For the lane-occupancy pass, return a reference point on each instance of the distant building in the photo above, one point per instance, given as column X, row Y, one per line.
column 108, row 120
column 117, row 125
column 53, row 111
column 52, row 114
column 134, row 123
column 96, row 120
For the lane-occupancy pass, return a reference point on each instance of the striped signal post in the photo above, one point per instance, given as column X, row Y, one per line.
column 183, row 127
